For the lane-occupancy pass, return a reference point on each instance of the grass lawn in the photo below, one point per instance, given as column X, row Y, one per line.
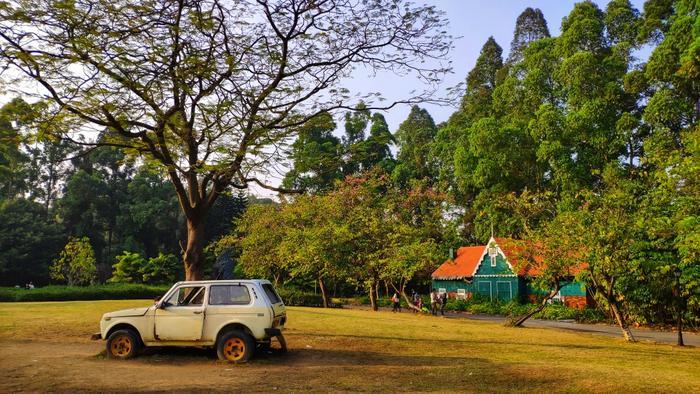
column 342, row 350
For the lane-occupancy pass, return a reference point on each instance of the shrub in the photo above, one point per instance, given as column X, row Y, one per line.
column 75, row 293
column 76, row 263
column 294, row 297
column 160, row 269
column 128, row 268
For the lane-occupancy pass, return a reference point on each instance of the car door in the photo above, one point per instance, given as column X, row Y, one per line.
column 181, row 316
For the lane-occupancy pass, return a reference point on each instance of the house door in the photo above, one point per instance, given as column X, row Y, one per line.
column 485, row 289
column 504, row 291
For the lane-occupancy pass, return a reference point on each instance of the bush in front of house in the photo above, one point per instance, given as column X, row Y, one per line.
column 120, row 291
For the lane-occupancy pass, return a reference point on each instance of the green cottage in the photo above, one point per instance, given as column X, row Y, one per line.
column 486, row 271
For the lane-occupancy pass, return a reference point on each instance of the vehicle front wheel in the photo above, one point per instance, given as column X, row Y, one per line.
column 123, row 344
column 235, row 346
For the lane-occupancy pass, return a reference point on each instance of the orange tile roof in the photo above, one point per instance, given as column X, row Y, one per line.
column 463, row 266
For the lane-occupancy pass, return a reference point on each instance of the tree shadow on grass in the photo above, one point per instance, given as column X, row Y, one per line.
column 376, row 371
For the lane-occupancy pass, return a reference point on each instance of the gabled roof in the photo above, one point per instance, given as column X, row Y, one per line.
column 463, row 265
column 469, row 257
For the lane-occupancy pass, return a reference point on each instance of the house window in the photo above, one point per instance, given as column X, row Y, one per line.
column 461, row 294
column 493, row 252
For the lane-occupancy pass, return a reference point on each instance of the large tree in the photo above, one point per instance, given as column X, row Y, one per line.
column 530, row 26
column 317, row 156
column 208, row 89
column 414, row 139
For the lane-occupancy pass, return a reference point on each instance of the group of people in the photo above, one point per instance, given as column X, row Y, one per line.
column 437, row 302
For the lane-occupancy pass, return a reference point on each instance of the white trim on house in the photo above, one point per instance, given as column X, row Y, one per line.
column 462, row 277
column 496, row 276
column 486, row 251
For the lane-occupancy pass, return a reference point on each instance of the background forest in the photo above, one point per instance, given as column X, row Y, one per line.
column 589, row 139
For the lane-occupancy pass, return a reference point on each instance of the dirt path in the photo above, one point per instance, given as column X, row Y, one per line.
column 76, row 365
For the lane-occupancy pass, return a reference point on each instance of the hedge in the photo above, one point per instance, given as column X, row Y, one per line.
column 77, row 293
column 294, row 297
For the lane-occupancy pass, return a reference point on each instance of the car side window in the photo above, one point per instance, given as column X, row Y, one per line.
column 229, row 295
column 187, row 296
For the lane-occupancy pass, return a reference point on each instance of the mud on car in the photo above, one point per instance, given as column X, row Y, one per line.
column 233, row 316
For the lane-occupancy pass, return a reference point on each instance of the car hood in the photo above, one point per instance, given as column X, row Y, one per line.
column 128, row 312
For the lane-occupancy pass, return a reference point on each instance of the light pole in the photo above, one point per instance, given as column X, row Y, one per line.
column 677, row 292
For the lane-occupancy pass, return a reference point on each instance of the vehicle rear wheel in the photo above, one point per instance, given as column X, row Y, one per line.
column 235, row 346
column 123, row 344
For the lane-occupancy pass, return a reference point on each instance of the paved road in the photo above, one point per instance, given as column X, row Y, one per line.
column 641, row 334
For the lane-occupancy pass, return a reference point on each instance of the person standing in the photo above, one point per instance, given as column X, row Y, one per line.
column 396, row 303
column 434, row 302
column 443, row 302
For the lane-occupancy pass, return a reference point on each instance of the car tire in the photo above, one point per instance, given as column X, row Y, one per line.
column 235, row 346
column 123, row 344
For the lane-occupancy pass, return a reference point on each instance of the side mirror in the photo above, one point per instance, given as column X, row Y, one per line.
column 162, row 304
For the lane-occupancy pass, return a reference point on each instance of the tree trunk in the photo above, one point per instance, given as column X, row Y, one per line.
column 373, row 297
column 193, row 255
column 402, row 291
column 626, row 333
column 323, row 292
column 518, row 322
column 409, row 302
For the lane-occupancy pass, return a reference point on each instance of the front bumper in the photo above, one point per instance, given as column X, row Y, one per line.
column 96, row 336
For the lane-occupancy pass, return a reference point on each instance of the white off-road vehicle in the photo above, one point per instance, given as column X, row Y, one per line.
column 234, row 316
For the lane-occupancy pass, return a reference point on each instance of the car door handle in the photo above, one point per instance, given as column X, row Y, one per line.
column 197, row 312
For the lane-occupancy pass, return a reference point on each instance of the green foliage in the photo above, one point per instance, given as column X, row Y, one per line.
column 413, row 139
column 75, row 264
column 128, row 268
column 28, row 242
column 294, row 297
column 211, row 102
column 530, row 26
column 163, row 268
column 75, row 293
column 364, row 231
column 316, row 154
